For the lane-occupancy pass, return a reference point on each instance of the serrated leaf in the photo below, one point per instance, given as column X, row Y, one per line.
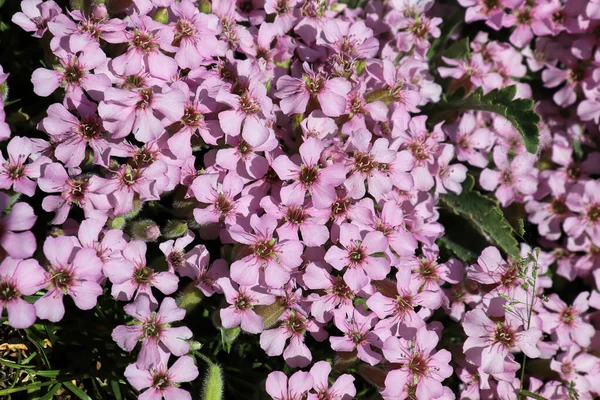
column 459, row 50
column 484, row 213
column 519, row 112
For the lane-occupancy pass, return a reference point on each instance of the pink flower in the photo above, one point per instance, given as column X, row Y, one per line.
column 77, row 29
column 76, row 191
column 390, row 221
column 74, row 75
column 476, row 69
column 489, row 343
column 271, row 260
column 369, row 163
column 72, row 271
column 136, row 276
column 146, row 111
column 360, row 256
column 342, row 389
column 36, row 15
column 154, row 330
column 395, row 307
column 421, row 366
column 279, row 388
column 293, row 326
column 195, row 34
column 20, row 278
column 337, row 293
column 516, row 178
column 163, row 382
column 17, row 172
column 319, row 181
column 449, row 177
column 584, row 199
column 146, row 40
column 358, row 336
column 205, row 275
column 295, row 93
column 223, row 203
column 73, row 135
column 249, row 110
column 307, row 220
column 567, row 322
column 242, row 301
column 15, row 236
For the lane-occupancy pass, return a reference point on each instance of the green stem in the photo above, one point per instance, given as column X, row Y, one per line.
column 529, row 313
column 532, row 395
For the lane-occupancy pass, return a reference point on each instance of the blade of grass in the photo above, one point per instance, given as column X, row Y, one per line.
column 77, row 391
column 50, row 394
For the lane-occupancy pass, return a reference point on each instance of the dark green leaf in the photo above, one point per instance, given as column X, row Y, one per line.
column 459, row 50
column 518, row 111
column 77, row 391
column 457, row 249
column 484, row 213
column 50, row 394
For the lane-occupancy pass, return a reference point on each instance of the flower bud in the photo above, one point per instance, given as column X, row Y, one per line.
column 116, row 223
column 205, row 6
column 146, row 230
column 99, row 10
column 174, row 229
column 161, row 15
column 375, row 376
column 137, row 207
column 271, row 313
column 190, row 297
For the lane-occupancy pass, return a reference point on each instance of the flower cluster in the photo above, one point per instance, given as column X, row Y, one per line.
column 291, row 133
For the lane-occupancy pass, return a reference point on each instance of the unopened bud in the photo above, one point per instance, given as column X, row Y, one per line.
column 190, row 297
column 228, row 336
column 146, row 230
column 161, row 15
column 137, row 207
column 387, row 287
column 271, row 313
column 116, row 223
column 56, row 232
column 174, row 229
column 99, row 10
column 373, row 375
column 205, row 6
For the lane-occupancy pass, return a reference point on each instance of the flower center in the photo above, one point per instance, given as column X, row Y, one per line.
column 176, row 259
column 243, row 303
column 160, row 381
column 504, row 335
column 308, row 175
column 418, row 365
column 73, row 73
column 76, row 189
column 341, row 289
column 145, row 98
column 568, row 315
column 16, row 171
column 340, row 208
column 62, row 280
column 506, row 178
column 90, row 129
column 8, row 290
column 142, row 275
column 264, row 248
column 249, row 104
column 419, row 150
column 357, row 254
column 151, row 328
column 223, row 205
column 593, row 213
column 295, row 323
column 295, row 215
column 363, row 162
column 191, row 117
column 144, row 41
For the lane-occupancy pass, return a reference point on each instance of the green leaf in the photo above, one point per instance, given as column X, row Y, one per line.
column 77, row 391
column 116, row 388
column 518, row 111
column 484, row 213
column 457, row 249
column 50, row 394
column 531, row 395
column 459, row 50
column 521, row 230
